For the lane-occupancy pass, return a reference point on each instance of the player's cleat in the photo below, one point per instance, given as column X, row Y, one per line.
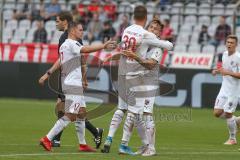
column 125, row 150
column 98, row 138
column 55, row 143
column 107, row 145
column 231, row 142
column 86, row 148
column 141, row 150
column 149, row 152
column 46, row 143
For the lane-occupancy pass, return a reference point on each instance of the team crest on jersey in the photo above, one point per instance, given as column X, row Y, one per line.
column 230, row 104
column 147, row 102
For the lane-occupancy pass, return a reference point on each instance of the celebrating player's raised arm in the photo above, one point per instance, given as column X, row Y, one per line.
column 152, row 40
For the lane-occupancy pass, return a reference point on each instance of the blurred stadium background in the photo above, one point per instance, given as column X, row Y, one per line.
column 28, row 47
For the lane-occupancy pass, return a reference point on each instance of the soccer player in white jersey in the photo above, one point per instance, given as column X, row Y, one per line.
column 70, row 63
column 227, row 99
column 138, row 40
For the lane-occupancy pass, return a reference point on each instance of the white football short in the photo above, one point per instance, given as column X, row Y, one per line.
column 73, row 103
column 226, row 103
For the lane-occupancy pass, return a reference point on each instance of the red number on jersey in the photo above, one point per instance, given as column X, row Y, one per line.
column 129, row 43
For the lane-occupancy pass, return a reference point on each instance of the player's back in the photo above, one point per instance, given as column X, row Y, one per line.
column 132, row 39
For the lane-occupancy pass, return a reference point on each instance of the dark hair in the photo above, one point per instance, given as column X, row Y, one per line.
column 140, row 13
column 65, row 15
column 72, row 25
column 231, row 36
column 167, row 21
column 155, row 21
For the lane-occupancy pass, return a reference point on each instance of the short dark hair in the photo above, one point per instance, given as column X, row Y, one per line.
column 140, row 13
column 65, row 15
column 155, row 21
column 73, row 25
column 231, row 36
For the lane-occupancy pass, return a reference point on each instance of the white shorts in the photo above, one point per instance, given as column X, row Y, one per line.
column 73, row 103
column 227, row 104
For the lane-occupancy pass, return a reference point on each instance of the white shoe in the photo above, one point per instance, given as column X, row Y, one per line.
column 149, row 152
column 231, row 142
column 141, row 150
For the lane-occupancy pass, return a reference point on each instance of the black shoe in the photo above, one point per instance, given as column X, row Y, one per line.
column 55, row 143
column 98, row 138
column 106, row 149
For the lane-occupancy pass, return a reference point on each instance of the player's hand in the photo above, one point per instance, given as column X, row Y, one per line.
column 223, row 71
column 43, row 79
column 214, row 72
column 110, row 45
column 129, row 54
column 85, row 84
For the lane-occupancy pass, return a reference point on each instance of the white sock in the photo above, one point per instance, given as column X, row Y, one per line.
column 237, row 119
column 150, row 132
column 80, row 129
column 128, row 128
column 58, row 127
column 232, row 127
column 116, row 121
column 141, row 127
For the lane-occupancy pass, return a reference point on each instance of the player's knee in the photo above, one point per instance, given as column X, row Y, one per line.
column 217, row 113
column 228, row 115
column 71, row 117
column 123, row 110
column 82, row 113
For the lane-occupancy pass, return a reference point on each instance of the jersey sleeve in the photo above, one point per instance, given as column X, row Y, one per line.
column 156, row 54
column 152, row 40
column 76, row 48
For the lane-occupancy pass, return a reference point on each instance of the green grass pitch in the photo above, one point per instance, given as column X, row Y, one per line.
column 182, row 134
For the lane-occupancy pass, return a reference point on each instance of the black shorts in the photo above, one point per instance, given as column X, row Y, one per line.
column 60, row 95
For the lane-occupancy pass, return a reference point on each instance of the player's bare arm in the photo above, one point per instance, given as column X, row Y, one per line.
column 54, row 67
column 225, row 72
column 93, row 48
column 114, row 57
column 84, row 72
column 147, row 63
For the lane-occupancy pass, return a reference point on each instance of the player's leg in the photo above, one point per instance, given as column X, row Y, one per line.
column 114, row 124
column 80, row 129
column 59, row 111
column 57, row 128
column 229, row 109
column 127, row 132
column 96, row 132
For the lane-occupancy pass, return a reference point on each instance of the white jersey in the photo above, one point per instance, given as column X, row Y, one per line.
column 137, row 39
column 230, row 85
column 71, row 62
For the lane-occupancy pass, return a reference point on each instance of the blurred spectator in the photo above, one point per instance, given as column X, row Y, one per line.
column 76, row 14
column 37, row 11
column 94, row 28
column 107, row 32
column 52, row 9
column 204, row 38
column 102, row 14
column 167, row 32
column 40, row 35
column 222, row 31
column 110, row 9
column 125, row 23
column 24, row 11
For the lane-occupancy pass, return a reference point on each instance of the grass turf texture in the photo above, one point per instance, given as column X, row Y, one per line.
column 180, row 134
